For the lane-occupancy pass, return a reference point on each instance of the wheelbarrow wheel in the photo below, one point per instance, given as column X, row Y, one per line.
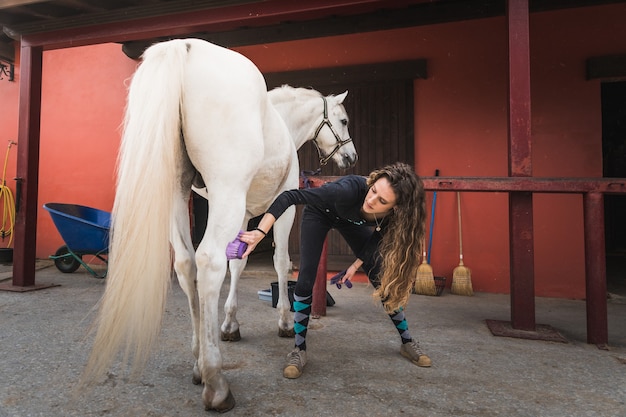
column 65, row 261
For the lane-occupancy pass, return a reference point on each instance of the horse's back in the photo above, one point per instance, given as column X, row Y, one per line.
column 229, row 75
column 223, row 109
column 232, row 134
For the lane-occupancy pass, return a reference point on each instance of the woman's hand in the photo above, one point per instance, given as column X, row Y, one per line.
column 350, row 272
column 252, row 238
column 344, row 277
column 352, row 269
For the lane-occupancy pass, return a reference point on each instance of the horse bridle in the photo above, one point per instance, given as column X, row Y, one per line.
column 326, row 122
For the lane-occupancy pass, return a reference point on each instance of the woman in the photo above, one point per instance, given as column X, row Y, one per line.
column 382, row 220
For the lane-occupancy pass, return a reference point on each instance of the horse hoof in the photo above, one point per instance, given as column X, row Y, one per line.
column 231, row 337
column 286, row 332
column 196, row 376
column 196, row 379
column 226, row 405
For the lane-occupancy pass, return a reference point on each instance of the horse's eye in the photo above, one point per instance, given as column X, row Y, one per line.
column 344, row 122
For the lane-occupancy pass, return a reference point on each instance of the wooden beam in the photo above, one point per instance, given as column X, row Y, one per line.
column 355, row 74
column 386, row 18
column 593, row 210
column 389, row 17
column 27, row 173
column 7, row 51
column 542, row 185
column 595, row 270
column 606, row 67
column 6, row 4
column 520, row 165
column 527, row 184
column 57, row 33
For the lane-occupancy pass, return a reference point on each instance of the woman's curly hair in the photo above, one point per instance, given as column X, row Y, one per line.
column 401, row 245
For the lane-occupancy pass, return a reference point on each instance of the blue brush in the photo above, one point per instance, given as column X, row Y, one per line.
column 336, row 278
column 236, row 248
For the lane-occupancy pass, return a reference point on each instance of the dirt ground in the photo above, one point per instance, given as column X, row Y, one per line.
column 354, row 368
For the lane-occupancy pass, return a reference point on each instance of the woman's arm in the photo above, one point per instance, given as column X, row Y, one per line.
column 352, row 270
column 345, row 188
column 254, row 236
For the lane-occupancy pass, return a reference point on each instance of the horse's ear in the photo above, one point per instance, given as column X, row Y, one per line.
column 341, row 97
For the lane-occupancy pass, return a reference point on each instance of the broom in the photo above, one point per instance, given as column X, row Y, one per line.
column 461, row 276
column 425, row 281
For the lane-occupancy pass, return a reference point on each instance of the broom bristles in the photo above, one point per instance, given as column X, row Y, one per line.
column 462, row 281
column 425, row 282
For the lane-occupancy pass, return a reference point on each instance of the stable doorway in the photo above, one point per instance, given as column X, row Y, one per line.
column 614, row 166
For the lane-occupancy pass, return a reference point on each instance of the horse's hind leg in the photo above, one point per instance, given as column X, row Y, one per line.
column 282, row 263
column 185, row 262
column 230, row 326
column 225, row 218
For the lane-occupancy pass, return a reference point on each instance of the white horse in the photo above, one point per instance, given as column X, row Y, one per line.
column 293, row 104
column 194, row 110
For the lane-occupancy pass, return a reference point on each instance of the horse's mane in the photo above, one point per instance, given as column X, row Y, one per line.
column 286, row 93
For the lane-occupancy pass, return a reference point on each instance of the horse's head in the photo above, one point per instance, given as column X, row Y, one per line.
column 331, row 137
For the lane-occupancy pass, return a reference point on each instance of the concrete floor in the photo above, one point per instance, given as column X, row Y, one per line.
column 354, row 368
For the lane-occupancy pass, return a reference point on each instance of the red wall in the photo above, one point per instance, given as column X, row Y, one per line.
column 461, row 128
column 83, row 98
column 8, row 132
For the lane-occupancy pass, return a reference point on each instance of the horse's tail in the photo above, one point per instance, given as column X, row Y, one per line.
column 139, row 270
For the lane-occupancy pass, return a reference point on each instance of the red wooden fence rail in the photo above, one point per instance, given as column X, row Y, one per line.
column 522, row 310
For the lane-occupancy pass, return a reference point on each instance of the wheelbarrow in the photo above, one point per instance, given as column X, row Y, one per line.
column 85, row 231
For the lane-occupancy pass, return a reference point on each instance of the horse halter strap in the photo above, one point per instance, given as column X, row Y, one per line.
column 338, row 145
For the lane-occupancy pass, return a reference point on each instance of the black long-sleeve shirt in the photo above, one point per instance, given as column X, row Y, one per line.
column 341, row 199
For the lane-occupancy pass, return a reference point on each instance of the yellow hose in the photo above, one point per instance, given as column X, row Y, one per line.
column 8, row 203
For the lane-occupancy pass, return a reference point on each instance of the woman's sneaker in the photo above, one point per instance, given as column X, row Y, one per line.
column 413, row 351
column 296, row 359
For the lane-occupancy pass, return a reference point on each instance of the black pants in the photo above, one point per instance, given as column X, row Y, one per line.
column 314, row 227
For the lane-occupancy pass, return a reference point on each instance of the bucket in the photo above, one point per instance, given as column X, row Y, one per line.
column 440, row 284
column 6, row 255
column 291, row 285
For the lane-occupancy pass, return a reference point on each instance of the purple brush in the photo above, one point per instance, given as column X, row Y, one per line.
column 236, row 248
column 336, row 278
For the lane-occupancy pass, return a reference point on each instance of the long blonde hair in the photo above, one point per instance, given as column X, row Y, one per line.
column 401, row 245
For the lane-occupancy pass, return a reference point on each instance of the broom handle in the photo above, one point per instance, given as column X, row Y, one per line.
column 458, row 205
column 432, row 220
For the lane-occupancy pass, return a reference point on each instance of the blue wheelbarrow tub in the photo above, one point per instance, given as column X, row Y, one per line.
column 85, row 230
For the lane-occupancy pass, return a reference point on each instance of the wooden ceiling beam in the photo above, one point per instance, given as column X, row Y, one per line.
column 223, row 18
column 6, row 4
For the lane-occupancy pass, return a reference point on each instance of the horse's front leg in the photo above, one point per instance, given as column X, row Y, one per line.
column 282, row 264
column 211, row 263
column 230, row 326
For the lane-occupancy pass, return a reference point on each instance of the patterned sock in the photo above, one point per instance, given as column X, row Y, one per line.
column 302, row 308
column 401, row 325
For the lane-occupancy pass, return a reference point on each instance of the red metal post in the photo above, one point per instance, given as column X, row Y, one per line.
column 522, row 261
column 27, row 166
column 595, row 269
column 318, row 306
column 520, row 165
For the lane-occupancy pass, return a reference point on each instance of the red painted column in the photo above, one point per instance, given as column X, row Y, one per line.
column 595, row 269
column 520, row 165
column 522, row 261
column 27, row 166
column 318, row 306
